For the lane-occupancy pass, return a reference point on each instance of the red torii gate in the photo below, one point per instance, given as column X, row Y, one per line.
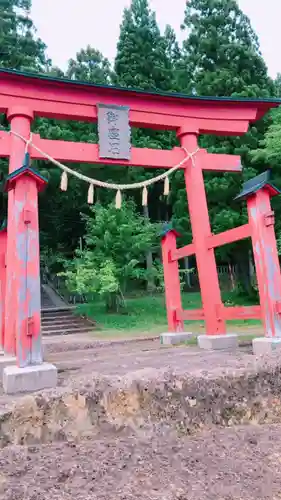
column 24, row 96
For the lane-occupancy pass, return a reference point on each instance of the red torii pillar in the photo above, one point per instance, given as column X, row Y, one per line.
column 205, row 256
column 20, row 119
column 172, row 281
column 261, row 220
column 25, row 184
column 23, row 337
column 3, row 251
column 201, row 230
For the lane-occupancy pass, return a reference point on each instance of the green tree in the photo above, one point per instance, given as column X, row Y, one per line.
column 221, row 57
column 61, row 226
column 222, row 52
column 90, row 65
column 116, row 245
column 19, row 47
column 145, row 59
column 141, row 59
column 277, row 84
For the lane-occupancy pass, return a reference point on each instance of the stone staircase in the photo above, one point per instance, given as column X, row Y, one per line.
column 58, row 318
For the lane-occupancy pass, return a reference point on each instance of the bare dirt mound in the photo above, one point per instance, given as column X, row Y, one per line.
column 207, row 427
column 228, row 464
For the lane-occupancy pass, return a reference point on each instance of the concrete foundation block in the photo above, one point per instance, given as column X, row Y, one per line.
column 218, row 342
column 29, row 379
column 175, row 338
column 266, row 345
column 6, row 360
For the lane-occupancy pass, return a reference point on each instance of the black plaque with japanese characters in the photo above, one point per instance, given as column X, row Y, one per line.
column 114, row 132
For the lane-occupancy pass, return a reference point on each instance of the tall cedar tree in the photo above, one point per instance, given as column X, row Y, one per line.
column 19, row 47
column 145, row 60
column 222, row 51
column 62, row 211
column 221, row 57
column 141, row 59
column 91, row 66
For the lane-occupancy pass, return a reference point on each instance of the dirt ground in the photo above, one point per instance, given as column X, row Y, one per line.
column 150, row 462
column 230, row 464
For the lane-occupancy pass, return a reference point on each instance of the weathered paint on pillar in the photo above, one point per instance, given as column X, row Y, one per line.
column 201, row 231
column 25, row 183
column 3, row 250
column 20, row 119
column 172, row 282
column 261, row 219
column 28, row 319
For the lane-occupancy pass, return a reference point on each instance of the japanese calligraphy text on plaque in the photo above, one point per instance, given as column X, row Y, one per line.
column 114, row 132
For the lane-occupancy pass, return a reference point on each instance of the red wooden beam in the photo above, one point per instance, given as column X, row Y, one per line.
column 230, row 236
column 266, row 260
column 172, row 283
column 227, row 313
column 149, row 117
column 67, row 151
column 191, row 315
column 244, row 312
column 70, row 100
column 185, row 251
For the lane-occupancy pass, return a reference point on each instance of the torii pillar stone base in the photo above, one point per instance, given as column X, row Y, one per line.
column 29, row 379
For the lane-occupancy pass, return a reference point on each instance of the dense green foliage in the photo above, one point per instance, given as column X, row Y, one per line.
column 220, row 56
column 19, row 48
column 221, row 52
column 116, row 245
column 142, row 58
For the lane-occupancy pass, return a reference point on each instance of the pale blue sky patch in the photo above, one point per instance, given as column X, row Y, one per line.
column 66, row 26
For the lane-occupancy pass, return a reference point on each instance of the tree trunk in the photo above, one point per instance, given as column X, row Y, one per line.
column 252, row 269
column 149, row 260
column 243, row 270
column 187, row 274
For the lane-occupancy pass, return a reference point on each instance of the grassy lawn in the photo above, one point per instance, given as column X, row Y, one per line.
column 147, row 315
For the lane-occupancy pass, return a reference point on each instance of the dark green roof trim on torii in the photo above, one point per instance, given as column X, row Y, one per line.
column 168, row 228
column 173, row 95
column 26, row 169
column 254, row 185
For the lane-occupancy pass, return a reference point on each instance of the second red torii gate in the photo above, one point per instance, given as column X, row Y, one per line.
column 25, row 96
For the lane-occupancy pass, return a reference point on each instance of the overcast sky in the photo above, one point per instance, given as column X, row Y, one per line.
column 66, row 26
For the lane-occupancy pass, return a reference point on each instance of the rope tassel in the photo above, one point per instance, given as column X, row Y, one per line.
column 166, row 186
column 64, row 181
column 144, row 196
column 118, row 199
column 91, row 194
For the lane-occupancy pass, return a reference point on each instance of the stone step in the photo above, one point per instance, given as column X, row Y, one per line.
column 60, row 318
column 59, row 326
column 66, row 331
column 57, row 310
column 57, row 318
column 70, row 321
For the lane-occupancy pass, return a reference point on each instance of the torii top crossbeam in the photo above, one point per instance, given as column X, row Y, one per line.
column 67, row 99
